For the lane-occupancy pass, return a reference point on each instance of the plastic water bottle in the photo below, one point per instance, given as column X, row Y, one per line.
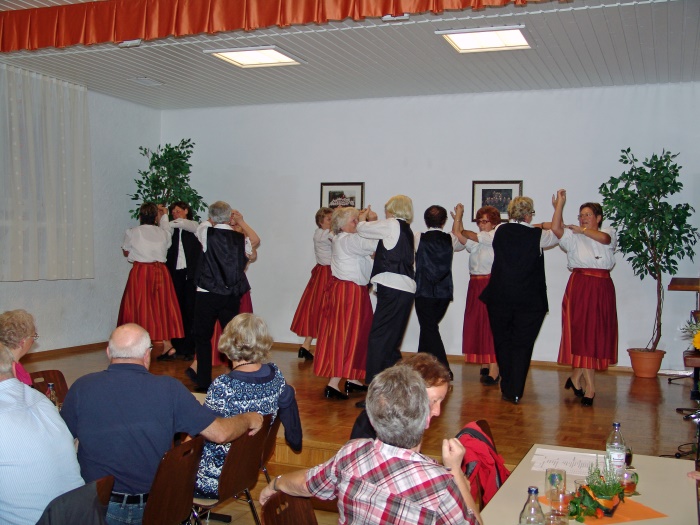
column 51, row 394
column 532, row 512
column 615, row 450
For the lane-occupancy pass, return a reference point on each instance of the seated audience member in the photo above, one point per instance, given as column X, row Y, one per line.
column 37, row 456
column 251, row 386
column 387, row 480
column 437, row 382
column 125, row 419
column 18, row 333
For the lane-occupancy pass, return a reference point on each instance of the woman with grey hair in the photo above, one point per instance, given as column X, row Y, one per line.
column 516, row 296
column 18, row 333
column 346, row 314
column 252, row 386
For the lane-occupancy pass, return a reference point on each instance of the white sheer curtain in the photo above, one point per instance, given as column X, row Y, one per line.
column 45, row 172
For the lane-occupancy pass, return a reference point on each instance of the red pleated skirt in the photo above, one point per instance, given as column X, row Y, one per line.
column 589, row 320
column 346, row 318
column 149, row 300
column 307, row 318
column 219, row 358
column 477, row 338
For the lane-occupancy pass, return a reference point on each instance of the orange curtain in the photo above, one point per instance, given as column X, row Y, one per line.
column 119, row 20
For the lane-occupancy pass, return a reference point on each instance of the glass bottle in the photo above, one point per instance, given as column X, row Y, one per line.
column 615, row 450
column 532, row 512
column 51, row 394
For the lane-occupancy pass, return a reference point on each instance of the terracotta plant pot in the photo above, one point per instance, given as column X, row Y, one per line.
column 645, row 363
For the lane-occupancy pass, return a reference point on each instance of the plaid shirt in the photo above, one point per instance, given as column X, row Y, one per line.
column 378, row 483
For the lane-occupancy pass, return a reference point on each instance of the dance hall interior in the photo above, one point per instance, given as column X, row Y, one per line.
column 379, row 102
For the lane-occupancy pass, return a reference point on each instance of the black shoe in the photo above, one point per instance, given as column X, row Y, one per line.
column 303, row 352
column 587, row 401
column 484, row 371
column 166, row 357
column 578, row 392
column 490, row 381
column 191, row 375
column 332, row 393
column 351, row 387
column 361, row 404
column 515, row 399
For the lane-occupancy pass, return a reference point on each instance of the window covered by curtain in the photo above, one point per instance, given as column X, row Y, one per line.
column 45, row 173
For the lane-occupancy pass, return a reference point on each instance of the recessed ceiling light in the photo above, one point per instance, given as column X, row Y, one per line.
column 264, row 56
column 145, row 81
column 486, row 39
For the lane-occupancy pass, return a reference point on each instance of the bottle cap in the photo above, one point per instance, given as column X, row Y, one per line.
column 532, row 490
column 616, row 424
column 50, row 385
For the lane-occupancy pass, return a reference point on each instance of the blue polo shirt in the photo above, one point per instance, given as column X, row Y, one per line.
column 125, row 419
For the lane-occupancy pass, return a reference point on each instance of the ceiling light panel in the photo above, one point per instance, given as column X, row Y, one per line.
column 486, row 39
column 265, row 56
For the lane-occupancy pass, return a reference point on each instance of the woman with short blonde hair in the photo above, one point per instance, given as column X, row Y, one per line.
column 18, row 333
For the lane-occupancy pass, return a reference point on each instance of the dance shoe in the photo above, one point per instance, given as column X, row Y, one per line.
column 304, row 353
column 587, row 401
column 490, row 381
column 332, row 393
column 578, row 392
column 351, row 387
column 511, row 399
column 484, row 371
column 167, row 356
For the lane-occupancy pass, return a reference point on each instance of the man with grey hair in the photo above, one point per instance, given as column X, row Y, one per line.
column 387, row 480
column 125, row 419
column 37, row 456
column 220, row 279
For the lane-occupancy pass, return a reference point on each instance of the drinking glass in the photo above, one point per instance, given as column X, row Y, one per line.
column 554, row 483
column 628, row 457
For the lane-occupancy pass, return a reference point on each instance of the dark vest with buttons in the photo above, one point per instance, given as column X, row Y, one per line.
column 434, row 265
column 222, row 267
column 517, row 274
column 400, row 258
column 192, row 248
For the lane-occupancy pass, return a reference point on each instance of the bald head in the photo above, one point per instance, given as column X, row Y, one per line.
column 129, row 341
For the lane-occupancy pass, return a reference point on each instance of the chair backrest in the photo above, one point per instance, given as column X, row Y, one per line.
column 270, row 441
column 283, row 509
column 170, row 499
column 242, row 463
column 104, row 489
column 82, row 505
column 42, row 378
column 486, row 429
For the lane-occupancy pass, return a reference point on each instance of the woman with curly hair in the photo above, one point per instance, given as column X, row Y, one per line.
column 18, row 333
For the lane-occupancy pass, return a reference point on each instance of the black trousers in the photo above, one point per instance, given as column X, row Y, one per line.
column 208, row 308
column 388, row 327
column 430, row 312
column 515, row 330
column 186, row 292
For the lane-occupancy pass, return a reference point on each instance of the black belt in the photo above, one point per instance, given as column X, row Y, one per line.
column 128, row 499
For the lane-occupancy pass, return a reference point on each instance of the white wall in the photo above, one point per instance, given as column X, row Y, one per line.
column 75, row 312
column 268, row 161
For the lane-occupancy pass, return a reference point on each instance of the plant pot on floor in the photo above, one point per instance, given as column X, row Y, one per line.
column 645, row 363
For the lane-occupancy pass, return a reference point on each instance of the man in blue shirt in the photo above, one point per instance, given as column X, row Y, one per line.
column 125, row 419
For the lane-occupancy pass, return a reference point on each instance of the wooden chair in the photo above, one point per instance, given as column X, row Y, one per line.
column 238, row 475
column 283, row 509
column 42, row 378
column 85, row 505
column 169, row 501
column 270, row 443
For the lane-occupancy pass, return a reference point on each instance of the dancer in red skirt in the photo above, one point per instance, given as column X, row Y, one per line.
column 149, row 298
column 346, row 318
column 307, row 316
column 477, row 338
column 589, row 310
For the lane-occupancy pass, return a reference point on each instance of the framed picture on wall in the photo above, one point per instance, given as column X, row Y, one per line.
column 496, row 193
column 335, row 194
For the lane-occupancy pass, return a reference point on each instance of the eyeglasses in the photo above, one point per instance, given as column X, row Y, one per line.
column 482, row 221
column 35, row 336
column 532, row 213
column 586, row 215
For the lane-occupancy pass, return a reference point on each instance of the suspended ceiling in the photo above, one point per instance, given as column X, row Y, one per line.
column 582, row 43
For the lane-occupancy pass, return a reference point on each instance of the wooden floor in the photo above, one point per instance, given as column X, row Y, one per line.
column 547, row 413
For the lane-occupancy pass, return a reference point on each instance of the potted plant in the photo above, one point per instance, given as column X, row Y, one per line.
column 653, row 234
column 167, row 178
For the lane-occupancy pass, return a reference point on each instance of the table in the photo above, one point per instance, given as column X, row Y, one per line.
column 663, row 485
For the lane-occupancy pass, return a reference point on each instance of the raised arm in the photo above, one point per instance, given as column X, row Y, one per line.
column 558, row 202
column 237, row 218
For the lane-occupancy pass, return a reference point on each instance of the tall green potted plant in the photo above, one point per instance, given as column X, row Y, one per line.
column 653, row 234
column 167, row 178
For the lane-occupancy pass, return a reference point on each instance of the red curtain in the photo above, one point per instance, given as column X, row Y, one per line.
column 119, row 20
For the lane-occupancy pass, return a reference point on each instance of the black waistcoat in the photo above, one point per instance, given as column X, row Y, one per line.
column 192, row 249
column 222, row 267
column 400, row 258
column 434, row 265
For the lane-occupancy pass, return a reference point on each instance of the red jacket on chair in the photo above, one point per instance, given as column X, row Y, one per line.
column 481, row 462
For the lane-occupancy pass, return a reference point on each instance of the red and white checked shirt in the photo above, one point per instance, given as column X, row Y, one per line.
column 378, row 483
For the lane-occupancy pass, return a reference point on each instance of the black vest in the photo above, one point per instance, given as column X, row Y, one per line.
column 400, row 258
column 192, row 248
column 222, row 267
column 517, row 274
column 434, row 265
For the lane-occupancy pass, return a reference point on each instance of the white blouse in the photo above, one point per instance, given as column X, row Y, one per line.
column 481, row 253
column 350, row 257
column 146, row 243
column 582, row 252
column 322, row 246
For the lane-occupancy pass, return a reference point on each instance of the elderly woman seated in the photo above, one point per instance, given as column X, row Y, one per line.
column 18, row 333
column 251, row 386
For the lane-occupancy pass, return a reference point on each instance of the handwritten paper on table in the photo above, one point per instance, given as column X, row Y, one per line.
column 575, row 463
